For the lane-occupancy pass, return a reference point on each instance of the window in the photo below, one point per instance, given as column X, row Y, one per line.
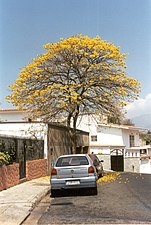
column 143, row 151
column 131, row 138
column 72, row 161
column 94, row 138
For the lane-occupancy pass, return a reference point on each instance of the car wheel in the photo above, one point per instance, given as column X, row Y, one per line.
column 55, row 193
column 93, row 191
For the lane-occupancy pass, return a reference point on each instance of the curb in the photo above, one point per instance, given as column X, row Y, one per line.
column 37, row 198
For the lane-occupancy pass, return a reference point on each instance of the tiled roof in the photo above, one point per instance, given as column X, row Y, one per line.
column 121, row 126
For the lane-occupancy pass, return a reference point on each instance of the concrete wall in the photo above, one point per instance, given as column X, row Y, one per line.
column 145, row 165
column 132, row 164
column 59, row 140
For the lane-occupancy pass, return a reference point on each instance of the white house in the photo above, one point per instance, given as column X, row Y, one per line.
column 118, row 145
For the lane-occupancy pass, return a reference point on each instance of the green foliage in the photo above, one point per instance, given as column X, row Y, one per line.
column 12, row 155
column 4, row 158
column 147, row 138
column 8, row 150
column 114, row 120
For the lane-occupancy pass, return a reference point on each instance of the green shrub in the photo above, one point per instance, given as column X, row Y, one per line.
column 4, row 158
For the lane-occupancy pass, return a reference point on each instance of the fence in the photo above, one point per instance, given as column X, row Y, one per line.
column 9, row 175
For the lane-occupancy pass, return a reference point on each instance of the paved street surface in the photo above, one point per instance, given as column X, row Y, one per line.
column 126, row 200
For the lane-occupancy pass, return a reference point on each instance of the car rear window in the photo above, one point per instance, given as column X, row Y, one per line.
column 72, row 161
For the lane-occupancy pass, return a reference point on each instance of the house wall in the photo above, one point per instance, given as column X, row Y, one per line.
column 82, row 139
column 145, row 165
column 113, row 136
column 59, row 141
column 88, row 123
column 13, row 116
column 127, row 133
column 149, row 151
column 109, row 136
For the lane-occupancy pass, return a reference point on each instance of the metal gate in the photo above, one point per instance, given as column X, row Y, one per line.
column 22, row 159
column 117, row 160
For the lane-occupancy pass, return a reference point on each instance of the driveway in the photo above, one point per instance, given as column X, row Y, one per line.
column 125, row 200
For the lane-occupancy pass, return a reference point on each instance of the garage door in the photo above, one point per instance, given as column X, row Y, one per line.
column 117, row 160
column 117, row 163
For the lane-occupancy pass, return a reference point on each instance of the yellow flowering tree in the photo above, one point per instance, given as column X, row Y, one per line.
column 75, row 75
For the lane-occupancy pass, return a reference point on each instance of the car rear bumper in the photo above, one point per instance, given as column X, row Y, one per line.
column 59, row 184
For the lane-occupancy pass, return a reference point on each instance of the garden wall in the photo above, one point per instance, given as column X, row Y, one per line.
column 36, row 168
column 9, row 176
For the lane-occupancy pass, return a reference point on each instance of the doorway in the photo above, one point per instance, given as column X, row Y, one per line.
column 117, row 160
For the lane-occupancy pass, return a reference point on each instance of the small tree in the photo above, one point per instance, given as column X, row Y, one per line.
column 4, row 158
column 146, row 137
column 78, row 74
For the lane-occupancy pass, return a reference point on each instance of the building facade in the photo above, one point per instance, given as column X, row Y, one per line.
column 118, row 145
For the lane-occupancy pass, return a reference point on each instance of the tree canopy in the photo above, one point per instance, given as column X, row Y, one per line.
column 75, row 75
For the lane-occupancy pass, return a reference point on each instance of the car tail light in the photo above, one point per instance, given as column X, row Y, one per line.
column 53, row 172
column 91, row 169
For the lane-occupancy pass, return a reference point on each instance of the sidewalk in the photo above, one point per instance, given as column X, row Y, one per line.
column 17, row 202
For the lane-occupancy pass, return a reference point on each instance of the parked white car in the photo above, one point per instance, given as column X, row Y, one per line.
column 74, row 171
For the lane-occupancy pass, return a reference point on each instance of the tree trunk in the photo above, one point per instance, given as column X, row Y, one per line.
column 74, row 129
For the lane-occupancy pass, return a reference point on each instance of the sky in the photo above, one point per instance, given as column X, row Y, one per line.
column 25, row 26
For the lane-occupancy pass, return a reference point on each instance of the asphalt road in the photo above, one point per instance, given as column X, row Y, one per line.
column 126, row 200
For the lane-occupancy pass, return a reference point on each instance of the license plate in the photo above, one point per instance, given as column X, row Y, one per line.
column 73, row 182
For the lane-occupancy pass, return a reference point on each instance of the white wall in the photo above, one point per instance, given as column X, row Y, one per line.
column 26, row 130
column 132, row 164
column 113, row 135
column 87, row 123
column 149, row 151
column 127, row 133
column 145, row 165
column 109, row 136
column 13, row 116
